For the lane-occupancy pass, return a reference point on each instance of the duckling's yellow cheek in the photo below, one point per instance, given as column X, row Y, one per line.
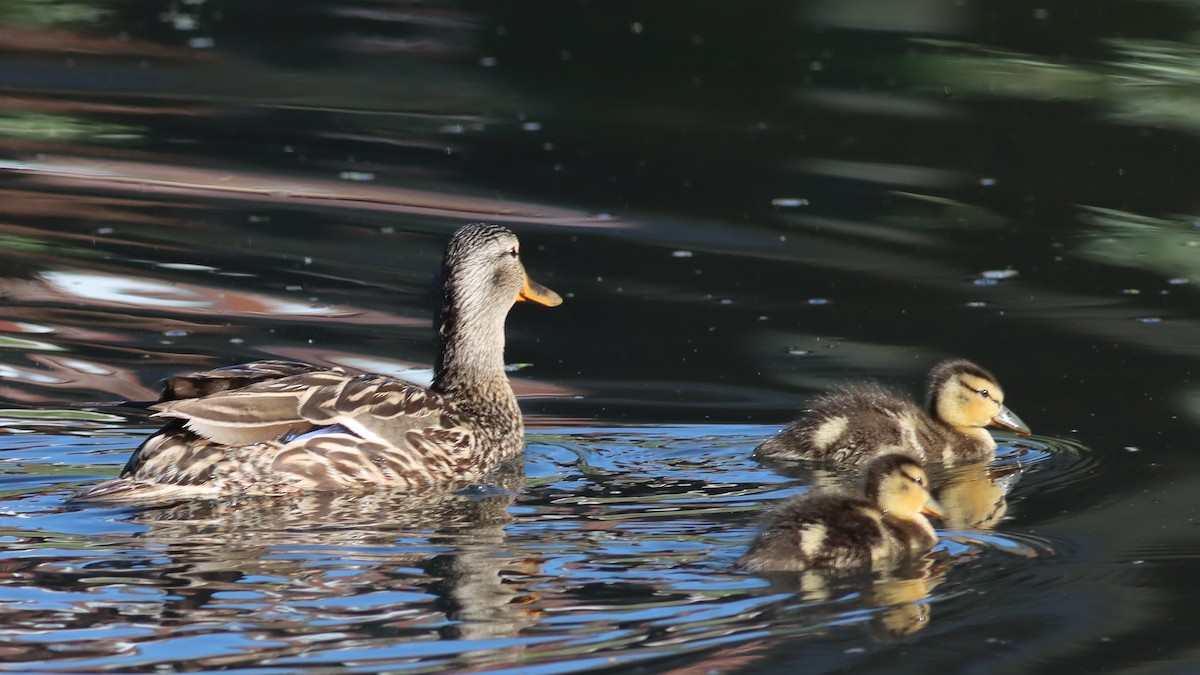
column 987, row 410
column 981, row 411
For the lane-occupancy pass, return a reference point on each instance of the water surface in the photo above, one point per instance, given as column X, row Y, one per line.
column 741, row 207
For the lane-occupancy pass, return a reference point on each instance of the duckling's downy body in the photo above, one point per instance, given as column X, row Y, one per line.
column 851, row 425
column 278, row 427
column 831, row 529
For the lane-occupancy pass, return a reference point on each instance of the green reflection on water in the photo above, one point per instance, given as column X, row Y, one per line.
column 11, row 342
column 58, row 414
column 1147, row 82
column 62, row 128
column 51, row 13
column 964, row 69
column 1164, row 245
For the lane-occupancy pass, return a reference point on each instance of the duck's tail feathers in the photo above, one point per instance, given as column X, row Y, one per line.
column 129, row 491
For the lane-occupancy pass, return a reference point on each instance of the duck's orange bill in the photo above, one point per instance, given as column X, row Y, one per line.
column 535, row 292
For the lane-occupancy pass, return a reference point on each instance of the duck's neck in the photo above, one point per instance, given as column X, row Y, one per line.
column 470, row 370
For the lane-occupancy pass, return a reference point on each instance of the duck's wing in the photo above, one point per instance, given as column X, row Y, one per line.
column 335, row 460
column 372, row 407
column 321, row 430
column 388, row 411
column 209, row 382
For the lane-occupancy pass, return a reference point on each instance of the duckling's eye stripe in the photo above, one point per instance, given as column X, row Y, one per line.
column 982, row 392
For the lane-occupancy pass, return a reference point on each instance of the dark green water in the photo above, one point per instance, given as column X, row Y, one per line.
column 742, row 206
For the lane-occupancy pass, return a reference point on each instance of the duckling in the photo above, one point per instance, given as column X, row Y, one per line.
column 278, row 427
column 851, row 425
column 831, row 529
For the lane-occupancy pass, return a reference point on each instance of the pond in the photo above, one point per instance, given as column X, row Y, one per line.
column 741, row 206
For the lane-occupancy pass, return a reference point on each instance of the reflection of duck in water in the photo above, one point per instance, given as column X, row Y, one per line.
column 279, row 427
column 431, row 565
column 854, row 424
column 831, row 529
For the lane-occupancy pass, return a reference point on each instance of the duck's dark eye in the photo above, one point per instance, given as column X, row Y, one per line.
column 512, row 252
column 984, row 393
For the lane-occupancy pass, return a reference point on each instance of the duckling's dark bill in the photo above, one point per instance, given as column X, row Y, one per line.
column 933, row 508
column 535, row 292
column 1007, row 419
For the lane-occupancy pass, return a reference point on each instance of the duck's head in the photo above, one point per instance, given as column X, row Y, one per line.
column 964, row 395
column 899, row 486
column 481, row 278
column 482, row 273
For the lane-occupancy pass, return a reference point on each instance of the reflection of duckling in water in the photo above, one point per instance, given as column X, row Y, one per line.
column 830, row 529
column 973, row 496
column 895, row 600
column 902, row 599
column 851, row 425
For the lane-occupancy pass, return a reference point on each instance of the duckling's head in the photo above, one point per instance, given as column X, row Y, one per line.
column 899, row 486
column 966, row 396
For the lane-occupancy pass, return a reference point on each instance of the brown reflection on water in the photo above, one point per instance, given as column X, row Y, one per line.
column 59, row 372
column 21, row 205
column 128, row 291
column 160, row 179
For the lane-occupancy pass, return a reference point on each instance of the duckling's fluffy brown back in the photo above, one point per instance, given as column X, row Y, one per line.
column 830, row 529
column 838, row 521
column 853, row 424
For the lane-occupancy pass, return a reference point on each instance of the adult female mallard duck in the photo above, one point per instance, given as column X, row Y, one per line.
column 278, row 427
column 831, row 529
column 851, row 425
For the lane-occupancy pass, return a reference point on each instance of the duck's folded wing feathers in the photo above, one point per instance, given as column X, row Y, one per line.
column 379, row 408
column 257, row 412
column 209, row 382
column 373, row 407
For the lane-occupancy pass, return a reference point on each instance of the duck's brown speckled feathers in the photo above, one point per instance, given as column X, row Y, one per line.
column 281, row 427
column 832, row 529
column 851, row 425
column 209, row 382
